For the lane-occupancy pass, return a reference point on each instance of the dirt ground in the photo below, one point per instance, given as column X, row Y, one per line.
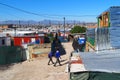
column 38, row 69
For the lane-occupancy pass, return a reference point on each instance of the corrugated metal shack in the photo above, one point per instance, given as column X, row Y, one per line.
column 106, row 36
column 101, row 61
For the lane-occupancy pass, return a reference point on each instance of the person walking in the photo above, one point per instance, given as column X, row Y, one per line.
column 57, row 55
column 50, row 58
column 75, row 44
column 55, row 44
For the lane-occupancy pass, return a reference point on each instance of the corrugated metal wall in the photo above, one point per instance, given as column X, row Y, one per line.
column 91, row 36
column 115, row 37
column 99, row 37
column 102, row 39
column 114, row 16
column 11, row 54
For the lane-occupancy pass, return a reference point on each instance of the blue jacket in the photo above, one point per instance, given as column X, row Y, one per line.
column 81, row 40
column 57, row 54
column 50, row 55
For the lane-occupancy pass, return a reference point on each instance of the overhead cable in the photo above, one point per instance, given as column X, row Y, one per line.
column 45, row 15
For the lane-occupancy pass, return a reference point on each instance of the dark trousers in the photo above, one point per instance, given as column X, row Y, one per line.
column 81, row 47
column 57, row 61
column 50, row 60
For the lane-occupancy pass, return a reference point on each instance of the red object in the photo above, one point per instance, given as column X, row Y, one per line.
column 41, row 40
column 36, row 37
column 26, row 39
column 76, row 62
column 17, row 41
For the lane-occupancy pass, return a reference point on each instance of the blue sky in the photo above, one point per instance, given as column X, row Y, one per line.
column 55, row 9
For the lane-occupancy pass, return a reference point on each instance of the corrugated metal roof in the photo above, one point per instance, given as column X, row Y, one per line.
column 109, row 9
column 103, row 61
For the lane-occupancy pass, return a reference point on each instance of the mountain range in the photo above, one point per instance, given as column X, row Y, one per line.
column 45, row 22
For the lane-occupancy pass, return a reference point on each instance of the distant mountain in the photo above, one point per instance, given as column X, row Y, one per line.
column 43, row 22
column 18, row 22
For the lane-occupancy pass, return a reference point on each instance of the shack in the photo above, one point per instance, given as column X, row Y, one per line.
column 106, row 35
column 102, row 56
column 19, row 40
column 5, row 41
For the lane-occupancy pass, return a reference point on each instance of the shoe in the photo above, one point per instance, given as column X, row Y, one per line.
column 60, row 64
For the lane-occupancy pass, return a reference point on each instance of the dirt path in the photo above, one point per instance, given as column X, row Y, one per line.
column 37, row 69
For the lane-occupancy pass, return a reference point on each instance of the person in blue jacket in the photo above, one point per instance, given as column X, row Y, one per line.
column 81, row 42
column 50, row 58
column 57, row 55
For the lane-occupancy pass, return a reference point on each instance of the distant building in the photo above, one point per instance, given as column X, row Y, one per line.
column 5, row 41
column 92, row 26
column 6, row 26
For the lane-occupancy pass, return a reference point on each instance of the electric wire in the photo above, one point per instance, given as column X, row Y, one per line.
column 46, row 15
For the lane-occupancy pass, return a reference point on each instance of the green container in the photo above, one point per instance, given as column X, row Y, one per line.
column 10, row 54
column 2, row 58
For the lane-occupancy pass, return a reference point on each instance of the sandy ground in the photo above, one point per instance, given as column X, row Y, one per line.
column 37, row 69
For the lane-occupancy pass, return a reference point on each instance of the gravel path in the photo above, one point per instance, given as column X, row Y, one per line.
column 37, row 69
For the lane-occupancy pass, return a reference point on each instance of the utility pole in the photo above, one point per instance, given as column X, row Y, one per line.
column 50, row 23
column 59, row 24
column 64, row 26
column 28, row 24
column 39, row 23
column 19, row 24
column 74, row 23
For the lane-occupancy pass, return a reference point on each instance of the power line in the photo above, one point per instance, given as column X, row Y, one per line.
column 46, row 15
column 28, row 12
column 75, row 15
column 64, row 26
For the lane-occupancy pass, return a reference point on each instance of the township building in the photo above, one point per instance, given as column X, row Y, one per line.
column 110, row 17
column 105, row 35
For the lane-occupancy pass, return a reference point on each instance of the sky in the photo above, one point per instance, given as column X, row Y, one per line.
column 81, row 10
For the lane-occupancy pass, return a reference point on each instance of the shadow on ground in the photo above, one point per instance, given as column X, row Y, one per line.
column 5, row 67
